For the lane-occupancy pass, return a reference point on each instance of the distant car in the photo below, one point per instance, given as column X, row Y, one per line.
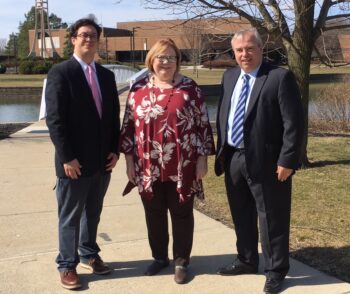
column 2, row 69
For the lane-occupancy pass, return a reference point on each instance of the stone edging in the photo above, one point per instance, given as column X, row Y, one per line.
column 20, row 92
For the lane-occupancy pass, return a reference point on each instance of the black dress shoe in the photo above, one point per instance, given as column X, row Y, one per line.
column 237, row 268
column 273, row 285
column 156, row 266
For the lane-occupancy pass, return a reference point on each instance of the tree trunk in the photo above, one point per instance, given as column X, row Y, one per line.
column 299, row 60
column 301, row 69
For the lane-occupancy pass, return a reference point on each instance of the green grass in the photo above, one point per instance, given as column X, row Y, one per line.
column 17, row 80
column 320, row 225
column 205, row 76
column 321, row 69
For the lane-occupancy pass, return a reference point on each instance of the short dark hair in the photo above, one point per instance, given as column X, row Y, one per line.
column 73, row 30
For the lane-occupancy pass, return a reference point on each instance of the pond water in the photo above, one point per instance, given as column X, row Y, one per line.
column 19, row 111
column 27, row 110
column 212, row 101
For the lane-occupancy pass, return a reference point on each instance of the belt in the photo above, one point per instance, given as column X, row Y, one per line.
column 234, row 149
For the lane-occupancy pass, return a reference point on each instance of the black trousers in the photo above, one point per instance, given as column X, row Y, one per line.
column 267, row 201
column 156, row 212
column 80, row 205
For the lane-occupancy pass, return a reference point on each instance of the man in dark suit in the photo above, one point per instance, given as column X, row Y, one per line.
column 259, row 129
column 83, row 120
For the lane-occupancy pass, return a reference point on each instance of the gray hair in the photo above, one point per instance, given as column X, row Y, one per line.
column 254, row 31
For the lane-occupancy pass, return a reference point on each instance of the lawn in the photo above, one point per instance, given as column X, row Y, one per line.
column 320, row 226
column 17, row 80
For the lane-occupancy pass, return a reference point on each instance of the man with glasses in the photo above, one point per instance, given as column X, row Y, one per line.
column 83, row 121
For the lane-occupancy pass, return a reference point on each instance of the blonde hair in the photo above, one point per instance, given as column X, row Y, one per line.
column 160, row 46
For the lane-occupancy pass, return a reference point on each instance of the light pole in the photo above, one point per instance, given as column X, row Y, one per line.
column 14, row 40
column 133, row 44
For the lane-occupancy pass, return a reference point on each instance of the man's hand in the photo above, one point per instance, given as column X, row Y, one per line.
column 201, row 167
column 112, row 160
column 72, row 169
column 283, row 173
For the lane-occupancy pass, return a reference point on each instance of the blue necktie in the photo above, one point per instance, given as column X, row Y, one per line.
column 237, row 126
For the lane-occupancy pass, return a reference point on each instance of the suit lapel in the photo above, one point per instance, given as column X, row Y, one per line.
column 80, row 78
column 259, row 82
column 80, row 81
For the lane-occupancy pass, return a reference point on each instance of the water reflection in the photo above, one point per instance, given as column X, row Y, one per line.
column 315, row 90
column 27, row 110
column 19, row 111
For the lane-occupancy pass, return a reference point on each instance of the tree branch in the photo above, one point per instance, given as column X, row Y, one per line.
column 270, row 23
column 338, row 16
column 281, row 18
column 322, row 17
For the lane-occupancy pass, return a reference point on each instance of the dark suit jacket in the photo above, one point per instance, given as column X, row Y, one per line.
column 75, row 127
column 273, row 124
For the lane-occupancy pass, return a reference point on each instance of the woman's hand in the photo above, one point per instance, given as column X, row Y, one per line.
column 130, row 168
column 201, row 167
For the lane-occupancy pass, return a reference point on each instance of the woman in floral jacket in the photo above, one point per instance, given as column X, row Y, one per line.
column 166, row 138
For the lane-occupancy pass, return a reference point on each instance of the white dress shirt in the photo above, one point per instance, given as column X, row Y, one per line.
column 234, row 101
column 84, row 66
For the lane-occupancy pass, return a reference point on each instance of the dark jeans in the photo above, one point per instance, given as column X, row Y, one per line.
column 80, row 205
column 156, row 211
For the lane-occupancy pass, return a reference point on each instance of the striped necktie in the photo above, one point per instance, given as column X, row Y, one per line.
column 237, row 126
column 94, row 90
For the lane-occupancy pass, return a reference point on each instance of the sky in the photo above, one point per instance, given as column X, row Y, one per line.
column 107, row 12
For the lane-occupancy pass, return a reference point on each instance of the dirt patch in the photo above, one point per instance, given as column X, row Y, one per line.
column 9, row 128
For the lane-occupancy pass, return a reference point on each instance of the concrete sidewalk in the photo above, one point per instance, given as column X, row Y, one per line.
column 28, row 225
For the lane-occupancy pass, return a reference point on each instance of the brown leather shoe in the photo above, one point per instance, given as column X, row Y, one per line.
column 96, row 266
column 70, row 279
column 180, row 276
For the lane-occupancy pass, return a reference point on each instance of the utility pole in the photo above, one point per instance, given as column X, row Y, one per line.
column 14, row 40
column 133, row 45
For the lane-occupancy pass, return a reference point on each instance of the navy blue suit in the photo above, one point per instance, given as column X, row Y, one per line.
column 273, row 128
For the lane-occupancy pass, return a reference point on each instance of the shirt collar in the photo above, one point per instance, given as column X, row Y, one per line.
column 253, row 73
column 83, row 64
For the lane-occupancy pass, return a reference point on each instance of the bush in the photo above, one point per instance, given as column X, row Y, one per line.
column 219, row 63
column 39, row 69
column 26, row 67
column 35, row 66
column 331, row 110
column 2, row 68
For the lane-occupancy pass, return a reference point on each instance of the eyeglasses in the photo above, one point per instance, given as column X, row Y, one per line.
column 166, row 58
column 85, row 36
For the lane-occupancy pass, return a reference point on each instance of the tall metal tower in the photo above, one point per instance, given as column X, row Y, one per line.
column 42, row 11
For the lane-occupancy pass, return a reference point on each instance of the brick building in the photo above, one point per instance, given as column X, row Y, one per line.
column 131, row 40
column 198, row 40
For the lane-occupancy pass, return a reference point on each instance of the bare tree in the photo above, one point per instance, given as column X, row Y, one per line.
column 295, row 24
column 3, row 43
column 196, row 39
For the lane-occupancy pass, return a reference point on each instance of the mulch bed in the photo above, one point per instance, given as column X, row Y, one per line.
column 9, row 128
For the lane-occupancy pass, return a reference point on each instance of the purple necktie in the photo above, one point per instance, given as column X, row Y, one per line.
column 94, row 89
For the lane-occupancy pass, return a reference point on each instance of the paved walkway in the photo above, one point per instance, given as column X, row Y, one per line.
column 28, row 226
